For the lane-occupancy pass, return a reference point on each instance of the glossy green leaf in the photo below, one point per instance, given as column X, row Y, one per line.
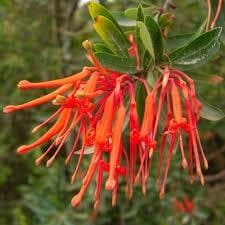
column 116, row 63
column 198, row 51
column 156, row 37
column 96, row 9
column 102, row 48
column 178, row 41
column 210, row 112
column 140, row 46
column 111, row 35
column 181, row 40
column 200, row 31
column 146, row 39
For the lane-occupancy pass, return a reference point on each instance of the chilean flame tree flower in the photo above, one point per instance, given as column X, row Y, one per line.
column 99, row 108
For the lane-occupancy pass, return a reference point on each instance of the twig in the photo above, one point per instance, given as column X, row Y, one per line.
column 167, row 4
column 71, row 14
column 220, row 2
column 58, row 19
column 213, row 155
column 214, row 177
column 209, row 14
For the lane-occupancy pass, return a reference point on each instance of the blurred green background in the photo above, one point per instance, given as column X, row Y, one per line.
column 40, row 40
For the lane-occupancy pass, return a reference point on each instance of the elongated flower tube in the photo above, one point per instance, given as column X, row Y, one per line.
column 98, row 108
column 182, row 117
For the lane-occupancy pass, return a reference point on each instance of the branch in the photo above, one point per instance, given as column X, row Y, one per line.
column 71, row 14
column 214, row 154
column 214, row 177
column 58, row 20
column 168, row 4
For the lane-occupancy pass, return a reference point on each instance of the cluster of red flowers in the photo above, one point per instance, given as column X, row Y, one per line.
column 99, row 105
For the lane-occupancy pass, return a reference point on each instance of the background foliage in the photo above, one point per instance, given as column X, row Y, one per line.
column 41, row 39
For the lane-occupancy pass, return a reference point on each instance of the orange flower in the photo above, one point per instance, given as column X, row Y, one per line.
column 99, row 106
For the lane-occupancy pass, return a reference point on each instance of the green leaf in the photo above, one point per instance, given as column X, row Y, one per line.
column 198, row 51
column 140, row 46
column 123, row 20
column 140, row 99
column 111, row 35
column 151, row 37
column 178, row 41
column 132, row 13
column 116, row 63
column 102, row 48
column 140, row 15
column 147, row 61
column 156, row 37
column 221, row 19
column 181, row 40
column 210, row 112
column 200, row 31
column 96, row 9
column 146, row 38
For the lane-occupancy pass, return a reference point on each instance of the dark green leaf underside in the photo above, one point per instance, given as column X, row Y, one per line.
column 116, row 63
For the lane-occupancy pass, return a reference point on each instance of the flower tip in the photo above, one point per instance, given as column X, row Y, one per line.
column 161, row 194
column 151, row 153
column 87, row 45
column 34, row 130
column 50, row 162
column 22, row 149
column 144, row 190
column 58, row 140
column 96, row 205
column 202, row 180
column 38, row 161
column 24, row 84
column 206, row 165
column 72, row 179
column 184, row 164
column 76, row 200
column 113, row 200
column 129, row 192
column 110, row 184
column 9, row 108
column 191, row 179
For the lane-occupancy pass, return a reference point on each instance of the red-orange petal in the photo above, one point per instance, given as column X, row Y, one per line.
column 55, row 129
column 24, row 84
column 115, row 152
column 38, row 101
column 148, row 119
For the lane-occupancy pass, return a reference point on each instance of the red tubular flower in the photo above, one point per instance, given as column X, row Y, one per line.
column 175, row 83
column 96, row 103
column 116, row 151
